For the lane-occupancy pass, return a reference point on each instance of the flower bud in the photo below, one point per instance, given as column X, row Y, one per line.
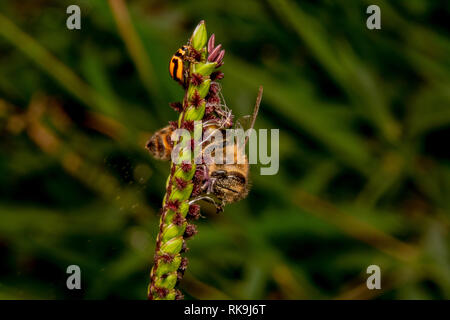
column 205, row 69
column 180, row 195
column 167, row 282
column 172, row 231
column 195, row 113
column 199, row 37
column 172, row 246
column 164, row 268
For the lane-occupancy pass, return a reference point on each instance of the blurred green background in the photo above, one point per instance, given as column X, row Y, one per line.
column 364, row 119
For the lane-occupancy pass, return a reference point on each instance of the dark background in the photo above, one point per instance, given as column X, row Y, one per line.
column 364, row 119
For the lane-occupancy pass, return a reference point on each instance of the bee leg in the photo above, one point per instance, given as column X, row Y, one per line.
column 219, row 206
column 206, row 178
column 210, row 185
column 205, row 198
column 205, row 186
column 205, row 171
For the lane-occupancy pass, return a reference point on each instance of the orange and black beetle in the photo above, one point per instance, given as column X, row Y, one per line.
column 176, row 65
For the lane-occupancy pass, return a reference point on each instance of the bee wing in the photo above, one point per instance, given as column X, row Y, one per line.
column 247, row 122
column 244, row 122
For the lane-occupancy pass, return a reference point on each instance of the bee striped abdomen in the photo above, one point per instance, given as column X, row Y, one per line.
column 160, row 145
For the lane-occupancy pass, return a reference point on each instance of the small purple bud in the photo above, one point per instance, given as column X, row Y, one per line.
column 162, row 292
column 178, row 219
column 184, row 248
column 213, row 55
column 211, row 43
column 179, row 295
column 186, row 167
column 216, row 75
column 220, row 58
column 197, row 79
column 190, row 231
column 183, row 264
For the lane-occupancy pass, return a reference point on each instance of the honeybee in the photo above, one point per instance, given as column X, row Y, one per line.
column 228, row 183
column 160, row 144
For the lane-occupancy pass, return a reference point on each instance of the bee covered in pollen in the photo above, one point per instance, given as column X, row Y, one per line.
column 229, row 182
column 226, row 182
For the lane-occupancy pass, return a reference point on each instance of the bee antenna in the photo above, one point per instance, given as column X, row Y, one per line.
column 255, row 111
column 219, row 206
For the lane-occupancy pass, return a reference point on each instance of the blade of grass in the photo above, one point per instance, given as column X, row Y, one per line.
column 56, row 69
column 343, row 65
column 134, row 46
column 297, row 106
column 356, row 228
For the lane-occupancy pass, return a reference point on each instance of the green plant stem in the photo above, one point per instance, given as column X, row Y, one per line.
column 169, row 266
